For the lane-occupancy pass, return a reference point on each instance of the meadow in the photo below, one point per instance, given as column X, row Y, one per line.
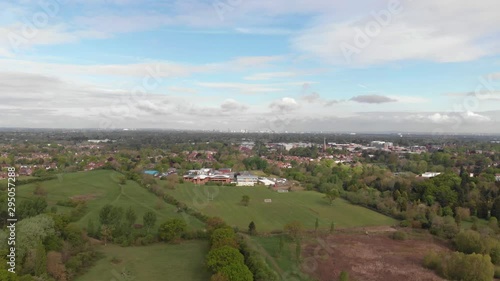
column 303, row 206
column 102, row 187
column 182, row 262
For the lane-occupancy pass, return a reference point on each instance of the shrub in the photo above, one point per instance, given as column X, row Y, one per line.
column 405, row 223
column 223, row 237
column 222, row 257
column 237, row 272
column 172, row 229
column 469, row 242
column 497, row 272
column 460, row 266
column 399, row 235
column 432, row 261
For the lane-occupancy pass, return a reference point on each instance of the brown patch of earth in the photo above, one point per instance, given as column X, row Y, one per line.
column 83, row 198
column 372, row 257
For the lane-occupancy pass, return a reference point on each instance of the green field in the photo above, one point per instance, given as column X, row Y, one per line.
column 304, row 206
column 183, row 262
column 102, row 187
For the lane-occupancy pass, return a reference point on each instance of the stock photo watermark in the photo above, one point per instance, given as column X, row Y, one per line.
column 363, row 37
column 47, row 10
column 222, row 7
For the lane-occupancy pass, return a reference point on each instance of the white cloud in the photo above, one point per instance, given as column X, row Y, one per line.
column 424, row 30
column 243, row 88
column 285, row 104
column 270, row 75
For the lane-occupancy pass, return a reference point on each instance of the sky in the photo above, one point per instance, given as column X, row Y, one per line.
column 259, row 65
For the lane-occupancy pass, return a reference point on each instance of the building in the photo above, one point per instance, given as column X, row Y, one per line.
column 246, row 180
column 429, row 175
column 381, row 144
column 205, row 175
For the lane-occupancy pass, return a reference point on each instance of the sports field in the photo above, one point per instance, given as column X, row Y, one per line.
column 304, row 206
column 183, row 262
column 100, row 188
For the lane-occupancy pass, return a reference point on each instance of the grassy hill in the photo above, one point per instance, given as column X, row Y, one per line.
column 304, row 206
column 100, row 188
column 183, row 262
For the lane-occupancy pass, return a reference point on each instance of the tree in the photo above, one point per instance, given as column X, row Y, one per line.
column 8, row 276
column 223, row 256
column 31, row 208
column 55, row 266
column 104, row 214
column 245, row 200
column 172, row 229
column 214, row 223
column 31, row 232
column 294, row 229
column 122, row 180
column 223, row 237
column 106, row 234
column 130, row 216
column 469, row 242
column 495, row 210
column 251, row 228
column 237, row 272
column 39, row 190
column 149, row 220
column 41, row 260
column 219, row 277
column 332, row 227
column 331, row 195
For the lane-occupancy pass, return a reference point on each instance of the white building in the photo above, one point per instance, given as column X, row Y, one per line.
column 430, row 174
column 381, row 144
column 246, row 180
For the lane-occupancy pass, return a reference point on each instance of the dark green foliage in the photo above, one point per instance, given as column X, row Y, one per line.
column 222, row 257
column 223, row 237
column 236, row 272
column 252, row 230
column 149, row 220
column 172, row 230
column 399, row 235
column 31, row 208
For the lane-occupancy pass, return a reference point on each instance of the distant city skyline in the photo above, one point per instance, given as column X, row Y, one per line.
column 304, row 66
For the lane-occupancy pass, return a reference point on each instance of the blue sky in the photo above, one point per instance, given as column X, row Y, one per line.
column 362, row 66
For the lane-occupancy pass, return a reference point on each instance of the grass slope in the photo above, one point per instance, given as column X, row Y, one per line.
column 102, row 187
column 183, row 262
column 304, row 206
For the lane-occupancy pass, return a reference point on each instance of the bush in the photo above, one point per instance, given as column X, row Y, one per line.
column 405, row 223
column 399, row 235
column 432, row 261
column 222, row 257
column 237, row 272
column 469, row 242
column 460, row 266
column 497, row 272
column 223, row 237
